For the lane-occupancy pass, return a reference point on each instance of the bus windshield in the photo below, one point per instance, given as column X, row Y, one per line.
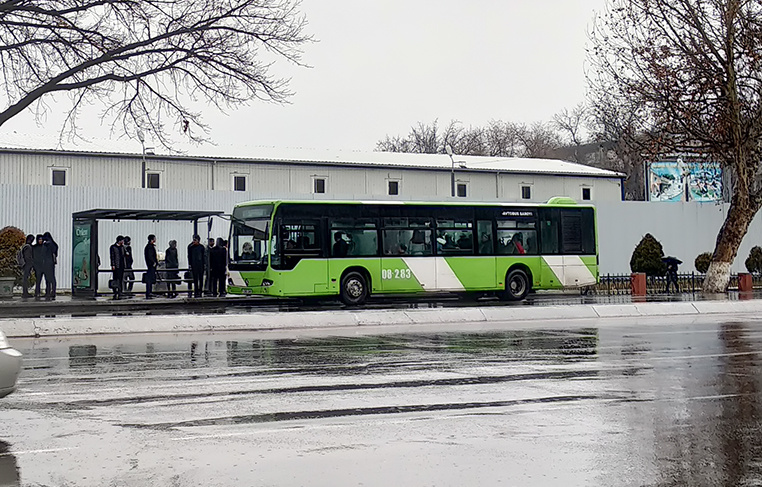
column 249, row 236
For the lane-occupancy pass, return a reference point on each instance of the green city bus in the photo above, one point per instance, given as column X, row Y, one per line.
column 354, row 249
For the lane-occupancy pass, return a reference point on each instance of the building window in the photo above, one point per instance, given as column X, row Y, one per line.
column 319, row 185
column 461, row 190
column 394, row 188
column 152, row 180
column 526, row 192
column 586, row 194
column 239, row 183
column 58, row 177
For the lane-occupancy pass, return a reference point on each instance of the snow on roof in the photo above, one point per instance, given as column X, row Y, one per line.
column 244, row 153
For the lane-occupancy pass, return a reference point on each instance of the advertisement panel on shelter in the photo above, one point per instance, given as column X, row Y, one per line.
column 81, row 255
column 685, row 181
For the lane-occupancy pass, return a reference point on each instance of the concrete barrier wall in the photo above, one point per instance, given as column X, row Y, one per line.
column 588, row 314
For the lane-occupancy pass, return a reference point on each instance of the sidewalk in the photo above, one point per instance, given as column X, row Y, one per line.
column 228, row 314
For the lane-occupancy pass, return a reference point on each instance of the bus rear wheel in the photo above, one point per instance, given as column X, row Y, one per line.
column 516, row 285
column 354, row 289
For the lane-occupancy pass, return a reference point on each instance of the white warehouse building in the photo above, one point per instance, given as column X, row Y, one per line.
column 41, row 189
column 272, row 173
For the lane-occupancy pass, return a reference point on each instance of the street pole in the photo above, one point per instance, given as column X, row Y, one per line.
column 142, row 139
column 452, row 170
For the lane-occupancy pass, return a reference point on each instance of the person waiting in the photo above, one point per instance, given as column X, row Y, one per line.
column 340, row 246
column 518, row 248
column 485, row 246
column 417, row 244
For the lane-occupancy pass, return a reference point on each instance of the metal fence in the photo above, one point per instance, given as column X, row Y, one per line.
column 619, row 284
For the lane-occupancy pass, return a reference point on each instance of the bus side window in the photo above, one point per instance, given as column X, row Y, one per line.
column 571, row 231
column 484, row 232
column 549, row 223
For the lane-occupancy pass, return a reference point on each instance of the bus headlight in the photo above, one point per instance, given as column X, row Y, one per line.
column 266, row 283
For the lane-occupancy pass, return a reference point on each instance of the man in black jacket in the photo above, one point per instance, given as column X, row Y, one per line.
column 129, row 275
column 196, row 262
column 49, row 261
column 37, row 250
column 117, row 257
column 152, row 262
column 218, row 268
column 28, row 254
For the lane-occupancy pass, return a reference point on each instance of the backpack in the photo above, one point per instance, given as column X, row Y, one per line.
column 20, row 261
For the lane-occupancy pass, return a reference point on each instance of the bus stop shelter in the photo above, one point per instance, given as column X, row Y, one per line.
column 84, row 261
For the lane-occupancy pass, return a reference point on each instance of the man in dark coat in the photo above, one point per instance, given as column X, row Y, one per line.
column 129, row 275
column 37, row 250
column 118, row 260
column 218, row 268
column 172, row 263
column 196, row 262
column 49, row 261
column 152, row 262
column 27, row 252
column 207, row 267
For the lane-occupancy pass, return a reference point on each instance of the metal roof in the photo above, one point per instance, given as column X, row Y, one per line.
column 243, row 154
column 155, row 215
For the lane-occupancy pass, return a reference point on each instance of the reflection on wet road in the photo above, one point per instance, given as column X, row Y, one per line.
column 647, row 403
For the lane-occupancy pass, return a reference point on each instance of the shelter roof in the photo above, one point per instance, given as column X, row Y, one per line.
column 154, row 215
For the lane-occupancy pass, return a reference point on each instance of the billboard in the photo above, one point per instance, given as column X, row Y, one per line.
column 685, row 181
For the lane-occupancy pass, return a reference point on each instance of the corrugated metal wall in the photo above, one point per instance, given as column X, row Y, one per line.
column 272, row 179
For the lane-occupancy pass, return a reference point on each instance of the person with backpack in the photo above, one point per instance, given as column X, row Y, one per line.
column 37, row 264
column 25, row 260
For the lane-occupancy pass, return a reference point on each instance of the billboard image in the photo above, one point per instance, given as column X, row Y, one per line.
column 81, row 257
column 689, row 181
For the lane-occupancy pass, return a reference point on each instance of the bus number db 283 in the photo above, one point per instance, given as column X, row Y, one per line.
column 396, row 274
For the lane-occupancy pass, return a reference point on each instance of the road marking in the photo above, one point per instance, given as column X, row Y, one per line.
column 50, row 450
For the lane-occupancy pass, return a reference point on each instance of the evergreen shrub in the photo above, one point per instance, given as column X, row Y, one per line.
column 647, row 257
column 702, row 262
column 754, row 260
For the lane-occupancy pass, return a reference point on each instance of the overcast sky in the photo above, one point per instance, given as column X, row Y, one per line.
column 381, row 66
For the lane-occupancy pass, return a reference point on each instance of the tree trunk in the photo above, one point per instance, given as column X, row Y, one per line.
column 728, row 240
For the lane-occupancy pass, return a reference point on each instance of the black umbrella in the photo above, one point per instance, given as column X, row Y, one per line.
column 671, row 260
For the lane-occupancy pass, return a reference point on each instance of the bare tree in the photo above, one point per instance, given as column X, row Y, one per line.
column 613, row 125
column 571, row 123
column 539, row 140
column 146, row 61
column 691, row 69
column 502, row 139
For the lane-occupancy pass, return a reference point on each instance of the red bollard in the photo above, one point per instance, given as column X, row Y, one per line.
column 638, row 284
column 744, row 282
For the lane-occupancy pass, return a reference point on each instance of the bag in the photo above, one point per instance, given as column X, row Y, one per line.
column 113, row 284
column 144, row 279
column 20, row 261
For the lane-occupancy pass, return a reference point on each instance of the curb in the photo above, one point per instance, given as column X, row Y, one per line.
column 103, row 325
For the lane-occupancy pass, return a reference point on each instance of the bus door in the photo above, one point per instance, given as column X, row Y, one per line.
column 300, row 256
column 457, row 268
column 407, row 262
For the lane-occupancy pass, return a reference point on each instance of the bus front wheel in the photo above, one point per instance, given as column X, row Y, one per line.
column 516, row 285
column 354, row 289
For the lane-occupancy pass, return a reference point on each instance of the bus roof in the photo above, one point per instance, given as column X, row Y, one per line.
column 555, row 201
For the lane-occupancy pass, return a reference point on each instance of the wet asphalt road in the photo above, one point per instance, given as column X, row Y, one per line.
column 645, row 402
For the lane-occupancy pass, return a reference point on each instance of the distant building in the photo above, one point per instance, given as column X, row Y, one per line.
column 40, row 189
column 274, row 173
